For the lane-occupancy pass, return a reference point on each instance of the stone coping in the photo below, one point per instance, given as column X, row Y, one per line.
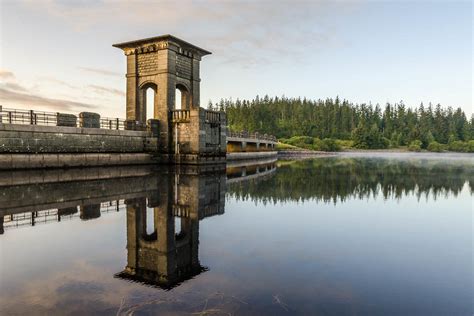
column 71, row 130
column 251, row 140
column 251, row 155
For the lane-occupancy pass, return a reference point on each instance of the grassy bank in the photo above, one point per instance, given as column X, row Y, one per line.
column 332, row 145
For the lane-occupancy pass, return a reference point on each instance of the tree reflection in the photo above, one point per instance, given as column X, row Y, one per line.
column 338, row 179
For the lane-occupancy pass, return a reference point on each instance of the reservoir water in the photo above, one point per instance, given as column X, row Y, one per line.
column 351, row 234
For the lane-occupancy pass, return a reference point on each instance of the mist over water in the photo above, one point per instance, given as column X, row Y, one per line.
column 345, row 235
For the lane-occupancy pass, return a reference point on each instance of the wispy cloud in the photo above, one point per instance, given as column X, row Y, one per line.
column 59, row 82
column 6, row 75
column 101, row 71
column 14, row 94
column 102, row 90
column 27, row 100
column 12, row 86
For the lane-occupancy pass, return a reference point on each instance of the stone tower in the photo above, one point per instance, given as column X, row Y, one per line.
column 166, row 63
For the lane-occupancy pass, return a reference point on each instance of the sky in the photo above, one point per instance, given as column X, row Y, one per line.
column 58, row 55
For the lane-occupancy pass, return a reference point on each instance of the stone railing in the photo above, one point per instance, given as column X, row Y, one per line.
column 84, row 119
column 180, row 116
column 245, row 134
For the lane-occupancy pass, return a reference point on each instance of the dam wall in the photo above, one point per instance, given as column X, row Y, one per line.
column 36, row 146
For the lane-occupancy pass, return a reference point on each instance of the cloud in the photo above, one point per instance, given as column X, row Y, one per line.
column 6, row 75
column 11, row 96
column 60, row 82
column 12, row 86
column 102, row 90
column 101, row 71
column 263, row 31
column 14, row 94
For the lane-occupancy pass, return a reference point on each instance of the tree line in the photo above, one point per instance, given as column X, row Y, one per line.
column 368, row 126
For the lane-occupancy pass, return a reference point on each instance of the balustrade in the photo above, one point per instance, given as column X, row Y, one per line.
column 31, row 117
column 180, row 115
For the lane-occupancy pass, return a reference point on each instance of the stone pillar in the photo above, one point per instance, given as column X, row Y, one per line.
column 132, row 88
column 63, row 119
column 89, row 120
column 223, row 133
column 136, row 214
column 88, row 212
column 66, row 211
column 195, row 83
column 154, row 127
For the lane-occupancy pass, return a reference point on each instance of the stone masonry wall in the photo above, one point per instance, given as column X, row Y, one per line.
column 198, row 136
column 33, row 139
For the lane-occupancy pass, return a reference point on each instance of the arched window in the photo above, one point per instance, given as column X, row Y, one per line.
column 177, row 225
column 182, row 99
column 146, row 105
column 150, row 103
column 178, row 100
column 150, row 221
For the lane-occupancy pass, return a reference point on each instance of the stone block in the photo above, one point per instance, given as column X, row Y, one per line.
column 63, row 119
column 20, row 161
column 88, row 212
column 92, row 159
column 133, row 125
column 103, row 159
column 89, row 120
column 36, row 161
column 51, row 160
column 5, row 161
column 114, row 159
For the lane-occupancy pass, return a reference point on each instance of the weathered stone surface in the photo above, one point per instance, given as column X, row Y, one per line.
column 65, row 160
column 63, row 119
column 251, row 155
column 165, row 64
column 89, row 120
column 51, row 139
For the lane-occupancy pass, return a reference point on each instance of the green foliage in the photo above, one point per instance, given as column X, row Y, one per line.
column 344, row 144
column 367, row 125
column 458, row 146
column 369, row 138
column 435, row 147
column 299, row 141
column 426, row 138
column 395, row 140
column 283, row 146
column 415, row 145
column 329, row 144
column 312, row 143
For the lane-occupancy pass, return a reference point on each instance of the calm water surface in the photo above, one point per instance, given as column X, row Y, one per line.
column 346, row 235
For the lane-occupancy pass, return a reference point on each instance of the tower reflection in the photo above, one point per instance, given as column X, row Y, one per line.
column 167, row 253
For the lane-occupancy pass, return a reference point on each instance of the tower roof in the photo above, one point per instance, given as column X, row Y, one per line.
column 167, row 37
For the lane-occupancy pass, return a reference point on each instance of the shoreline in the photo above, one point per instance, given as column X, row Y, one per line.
column 381, row 153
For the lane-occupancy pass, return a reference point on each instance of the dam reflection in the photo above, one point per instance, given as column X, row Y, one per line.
column 163, row 209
